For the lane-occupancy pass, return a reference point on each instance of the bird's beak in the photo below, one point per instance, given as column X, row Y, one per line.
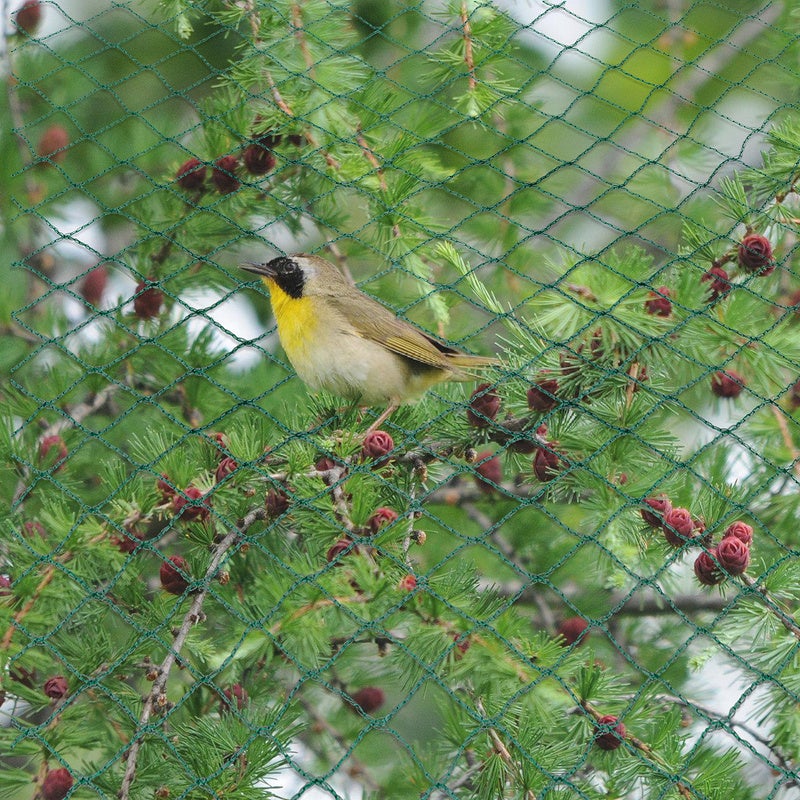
column 265, row 270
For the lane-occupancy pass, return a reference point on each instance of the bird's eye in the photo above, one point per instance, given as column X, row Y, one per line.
column 290, row 277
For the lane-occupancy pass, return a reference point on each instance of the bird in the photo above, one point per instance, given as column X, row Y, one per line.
column 340, row 340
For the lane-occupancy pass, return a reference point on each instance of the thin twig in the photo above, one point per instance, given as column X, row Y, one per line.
column 786, row 435
column 357, row 767
column 78, row 413
column 500, row 748
column 17, row 331
column 462, row 780
column 508, row 551
column 486, row 524
column 640, row 745
column 341, row 508
column 459, row 491
column 299, row 34
column 369, row 154
column 705, row 711
column 326, row 602
column 157, row 695
column 632, row 384
column 375, row 164
column 581, row 291
column 72, row 416
column 773, row 606
column 341, row 261
column 22, row 613
column 653, row 604
column 254, row 18
column 469, row 58
column 276, row 95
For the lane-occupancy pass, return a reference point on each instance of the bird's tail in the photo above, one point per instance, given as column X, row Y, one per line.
column 472, row 362
column 466, row 367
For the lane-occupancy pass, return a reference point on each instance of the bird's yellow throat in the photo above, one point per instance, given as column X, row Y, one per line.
column 296, row 319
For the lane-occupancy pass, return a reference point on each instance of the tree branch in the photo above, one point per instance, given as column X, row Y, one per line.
column 500, row 748
column 157, row 696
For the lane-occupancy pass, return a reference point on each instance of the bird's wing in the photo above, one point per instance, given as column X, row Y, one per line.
column 379, row 324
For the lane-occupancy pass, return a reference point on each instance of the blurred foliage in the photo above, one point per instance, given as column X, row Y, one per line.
column 552, row 187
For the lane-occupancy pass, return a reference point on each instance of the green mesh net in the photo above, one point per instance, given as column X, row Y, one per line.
column 573, row 576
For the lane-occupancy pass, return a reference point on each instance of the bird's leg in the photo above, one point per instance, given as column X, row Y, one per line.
column 390, row 409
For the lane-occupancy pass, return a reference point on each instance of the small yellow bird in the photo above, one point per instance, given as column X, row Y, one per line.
column 340, row 340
